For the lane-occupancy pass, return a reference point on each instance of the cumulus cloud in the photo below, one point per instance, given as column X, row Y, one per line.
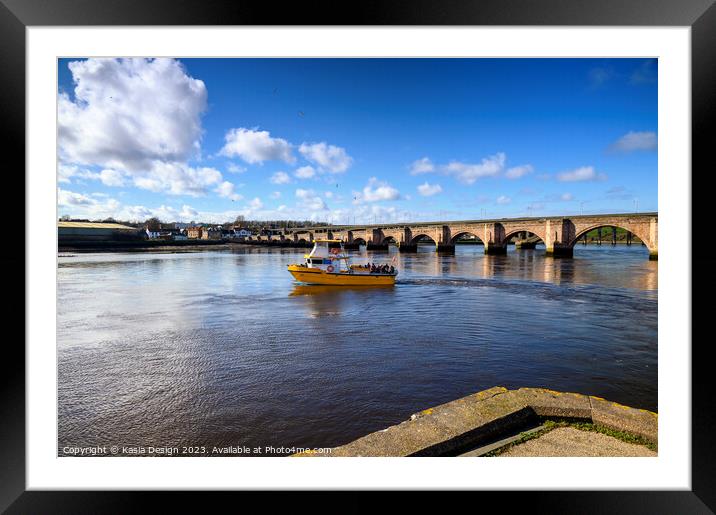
column 280, row 178
column 376, row 191
column 178, row 179
column 70, row 198
column 139, row 120
column 112, row 178
column 566, row 196
column 468, row 173
column 329, row 157
column 255, row 146
column 503, row 199
column 633, row 141
column 228, row 190
column 65, row 172
column 256, row 204
column 518, row 171
column 424, row 165
column 428, row 190
column 305, row 172
column 311, row 200
column 128, row 113
column 584, row 173
column 234, row 168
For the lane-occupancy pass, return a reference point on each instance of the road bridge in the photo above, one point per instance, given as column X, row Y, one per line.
column 559, row 234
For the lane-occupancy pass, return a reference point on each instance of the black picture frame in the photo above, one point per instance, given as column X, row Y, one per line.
column 700, row 15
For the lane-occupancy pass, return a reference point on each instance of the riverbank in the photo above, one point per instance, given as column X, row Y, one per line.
column 143, row 246
column 495, row 421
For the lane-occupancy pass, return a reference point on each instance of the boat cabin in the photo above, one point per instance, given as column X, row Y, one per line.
column 326, row 258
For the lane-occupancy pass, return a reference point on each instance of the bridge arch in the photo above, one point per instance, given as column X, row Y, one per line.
column 390, row 240
column 627, row 227
column 465, row 233
column 514, row 232
column 359, row 241
column 422, row 237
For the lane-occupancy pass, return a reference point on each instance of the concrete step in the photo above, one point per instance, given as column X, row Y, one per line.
column 480, row 451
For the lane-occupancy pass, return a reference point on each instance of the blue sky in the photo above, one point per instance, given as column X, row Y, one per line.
column 355, row 140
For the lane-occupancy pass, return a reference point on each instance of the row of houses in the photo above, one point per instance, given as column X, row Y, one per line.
column 197, row 233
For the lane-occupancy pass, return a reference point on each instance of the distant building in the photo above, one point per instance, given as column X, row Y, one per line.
column 241, row 232
column 194, row 233
column 211, row 234
column 68, row 232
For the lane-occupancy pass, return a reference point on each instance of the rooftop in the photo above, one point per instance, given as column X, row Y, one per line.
column 94, row 225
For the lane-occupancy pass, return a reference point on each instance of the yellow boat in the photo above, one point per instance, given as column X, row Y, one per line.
column 331, row 266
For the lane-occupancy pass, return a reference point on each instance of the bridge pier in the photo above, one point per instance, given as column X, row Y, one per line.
column 653, row 255
column 495, row 250
column 406, row 247
column 376, row 246
column 560, row 252
column 351, row 246
column 445, row 248
column 522, row 244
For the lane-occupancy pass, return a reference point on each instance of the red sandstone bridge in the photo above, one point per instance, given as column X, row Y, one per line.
column 559, row 234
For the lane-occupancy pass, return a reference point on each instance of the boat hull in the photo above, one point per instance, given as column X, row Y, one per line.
column 318, row 276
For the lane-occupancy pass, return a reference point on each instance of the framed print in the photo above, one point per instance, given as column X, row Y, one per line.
column 296, row 251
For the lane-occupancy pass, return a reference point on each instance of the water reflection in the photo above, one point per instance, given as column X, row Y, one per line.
column 224, row 347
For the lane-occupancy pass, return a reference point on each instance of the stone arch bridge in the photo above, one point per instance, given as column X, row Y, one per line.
column 559, row 233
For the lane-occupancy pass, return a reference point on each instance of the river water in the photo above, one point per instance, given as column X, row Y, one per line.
column 222, row 348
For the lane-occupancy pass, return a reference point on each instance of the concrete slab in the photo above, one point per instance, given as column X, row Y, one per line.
column 550, row 403
column 571, row 442
column 623, row 418
column 458, row 426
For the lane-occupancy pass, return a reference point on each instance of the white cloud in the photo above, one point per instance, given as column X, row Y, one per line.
column 468, row 173
column 305, row 172
column 276, row 195
column 112, row 177
column 256, row 204
column 128, row 113
column 309, row 199
column 376, row 191
column 328, row 157
column 280, row 178
column 566, row 196
column 65, row 172
column 177, row 179
column 108, row 177
column 70, row 198
column 227, row 190
column 234, row 168
column 633, row 141
column 584, row 173
column 424, row 165
column 518, row 171
column 428, row 190
column 254, row 146
column 503, row 199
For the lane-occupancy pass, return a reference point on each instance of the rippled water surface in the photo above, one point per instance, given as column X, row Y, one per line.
column 222, row 348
